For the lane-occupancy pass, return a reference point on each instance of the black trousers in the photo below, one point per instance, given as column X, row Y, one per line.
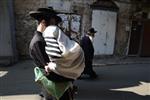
column 88, row 67
column 57, row 78
column 68, row 95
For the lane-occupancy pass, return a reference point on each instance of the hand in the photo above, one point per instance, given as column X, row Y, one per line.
column 47, row 69
column 42, row 26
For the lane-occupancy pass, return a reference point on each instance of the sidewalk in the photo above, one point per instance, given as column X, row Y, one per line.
column 118, row 61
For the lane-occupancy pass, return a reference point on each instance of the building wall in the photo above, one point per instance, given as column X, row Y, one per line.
column 123, row 28
column 8, row 53
column 25, row 25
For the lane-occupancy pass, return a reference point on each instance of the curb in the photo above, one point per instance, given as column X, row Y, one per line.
column 121, row 63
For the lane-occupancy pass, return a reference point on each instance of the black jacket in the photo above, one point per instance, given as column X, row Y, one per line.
column 37, row 50
column 87, row 47
column 40, row 58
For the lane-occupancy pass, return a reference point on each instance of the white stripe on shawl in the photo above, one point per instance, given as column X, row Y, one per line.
column 50, row 39
column 53, row 54
column 52, row 44
column 51, row 48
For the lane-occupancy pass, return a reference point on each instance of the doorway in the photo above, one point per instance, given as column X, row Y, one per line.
column 140, row 38
column 104, row 21
column 8, row 53
column 135, row 38
column 145, row 48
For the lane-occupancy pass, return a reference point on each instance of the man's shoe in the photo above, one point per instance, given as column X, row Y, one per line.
column 93, row 76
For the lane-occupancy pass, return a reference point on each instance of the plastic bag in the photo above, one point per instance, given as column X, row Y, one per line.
column 56, row 89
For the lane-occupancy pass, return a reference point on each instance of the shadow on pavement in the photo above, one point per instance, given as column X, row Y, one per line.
column 118, row 82
column 18, row 80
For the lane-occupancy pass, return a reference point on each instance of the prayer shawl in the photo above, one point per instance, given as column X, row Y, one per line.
column 66, row 55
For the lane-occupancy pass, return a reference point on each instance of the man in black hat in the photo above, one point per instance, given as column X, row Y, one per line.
column 50, row 48
column 87, row 46
column 45, row 17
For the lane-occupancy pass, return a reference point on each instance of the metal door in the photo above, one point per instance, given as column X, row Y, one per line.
column 7, row 45
column 105, row 24
column 145, row 49
column 135, row 38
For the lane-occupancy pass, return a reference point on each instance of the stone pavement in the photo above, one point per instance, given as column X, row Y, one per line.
column 117, row 81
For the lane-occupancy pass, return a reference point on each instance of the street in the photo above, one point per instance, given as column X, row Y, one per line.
column 115, row 82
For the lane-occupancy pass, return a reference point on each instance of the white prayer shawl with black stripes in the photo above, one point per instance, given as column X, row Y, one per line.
column 67, row 54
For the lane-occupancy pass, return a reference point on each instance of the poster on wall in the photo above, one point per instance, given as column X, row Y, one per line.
column 71, row 21
column 71, row 25
column 75, row 23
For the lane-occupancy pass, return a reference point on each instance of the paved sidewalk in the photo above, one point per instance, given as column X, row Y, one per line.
column 120, row 60
column 21, row 97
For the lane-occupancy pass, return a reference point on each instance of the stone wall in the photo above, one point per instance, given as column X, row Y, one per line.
column 123, row 28
column 25, row 25
column 81, row 7
column 86, row 13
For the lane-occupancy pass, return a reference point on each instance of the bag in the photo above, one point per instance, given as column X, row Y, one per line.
column 55, row 89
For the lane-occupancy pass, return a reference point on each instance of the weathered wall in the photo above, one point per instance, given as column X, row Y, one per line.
column 81, row 7
column 123, row 28
column 25, row 26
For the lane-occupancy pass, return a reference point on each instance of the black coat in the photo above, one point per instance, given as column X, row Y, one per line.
column 37, row 50
column 40, row 58
column 87, row 47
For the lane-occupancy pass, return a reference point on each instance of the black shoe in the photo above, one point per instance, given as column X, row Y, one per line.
column 75, row 89
column 41, row 95
column 93, row 76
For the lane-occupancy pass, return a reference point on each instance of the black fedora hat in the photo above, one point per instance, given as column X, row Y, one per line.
column 43, row 13
column 92, row 30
